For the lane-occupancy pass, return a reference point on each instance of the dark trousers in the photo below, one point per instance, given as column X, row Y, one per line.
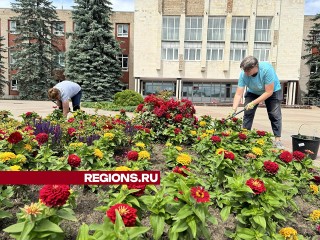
column 76, row 99
column 273, row 104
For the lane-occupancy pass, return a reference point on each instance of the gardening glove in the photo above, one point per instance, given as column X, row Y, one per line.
column 249, row 106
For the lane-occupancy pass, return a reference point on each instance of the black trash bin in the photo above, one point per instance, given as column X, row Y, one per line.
column 303, row 142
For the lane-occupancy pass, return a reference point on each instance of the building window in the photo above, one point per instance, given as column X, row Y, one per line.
column 238, row 51
column 193, row 29
column 170, row 38
column 60, row 59
column 215, row 51
column 156, row 87
column 314, row 68
column 216, row 26
column 239, row 29
column 262, row 51
column 58, row 28
column 124, row 62
column 170, row 28
column 170, row 50
column 263, row 29
column 14, row 85
column 12, row 59
column 122, row 30
column 192, row 51
column 239, row 44
column 13, row 27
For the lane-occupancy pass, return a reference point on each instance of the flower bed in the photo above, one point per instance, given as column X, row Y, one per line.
column 214, row 173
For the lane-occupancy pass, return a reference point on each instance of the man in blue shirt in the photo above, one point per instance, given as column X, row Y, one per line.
column 262, row 84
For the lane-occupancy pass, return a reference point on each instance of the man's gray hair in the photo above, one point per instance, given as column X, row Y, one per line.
column 248, row 63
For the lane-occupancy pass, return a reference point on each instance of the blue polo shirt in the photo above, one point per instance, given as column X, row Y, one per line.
column 266, row 75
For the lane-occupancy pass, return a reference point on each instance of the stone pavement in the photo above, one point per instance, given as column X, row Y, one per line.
column 308, row 120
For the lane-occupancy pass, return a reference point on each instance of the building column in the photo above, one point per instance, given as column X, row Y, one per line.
column 178, row 89
column 291, row 93
column 137, row 84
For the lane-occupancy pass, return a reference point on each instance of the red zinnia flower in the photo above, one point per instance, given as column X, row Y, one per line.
column 285, row 156
column 178, row 118
column 42, row 138
column 141, row 188
column 200, row 195
column 15, row 137
column 127, row 213
column 242, row 136
column 215, row 139
column 71, row 131
column 271, row 167
column 133, row 155
column 74, row 160
column 225, row 134
column 228, row 155
column 139, row 107
column 261, row 133
column 177, row 131
column 179, row 170
column 316, row 180
column 256, row 185
column 297, row 155
column 234, row 119
column 28, row 114
column 2, row 134
column 71, row 120
column 54, row 195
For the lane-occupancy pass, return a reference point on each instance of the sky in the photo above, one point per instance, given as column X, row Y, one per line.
column 311, row 7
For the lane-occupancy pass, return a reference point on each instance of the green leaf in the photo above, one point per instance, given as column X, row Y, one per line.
column 119, row 226
column 4, row 214
column 67, row 213
column 225, row 212
column 245, row 233
column 157, row 224
column 260, row 220
column 279, row 216
column 15, row 228
column 83, row 233
column 27, row 228
column 193, row 226
column 200, row 213
column 184, row 212
column 136, row 231
column 297, row 165
column 46, row 225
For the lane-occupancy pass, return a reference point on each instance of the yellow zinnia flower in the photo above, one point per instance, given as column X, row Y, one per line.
column 140, row 144
column 314, row 188
column 210, row 131
column 315, row 215
column 33, row 209
column 98, row 153
column 144, row 155
column 109, row 135
column 193, row 132
column 168, row 144
column 219, row 150
column 260, row 142
column 184, row 159
column 122, row 168
column 15, row 168
column 179, row 148
column 28, row 147
column 5, row 156
column 289, row 233
column 257, row 151
column 21, row 158
column 203, row 135
column 202, row 123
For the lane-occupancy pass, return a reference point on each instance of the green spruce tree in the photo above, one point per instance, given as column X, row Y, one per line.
column 34, row 49
column 3, row 81
column 91, row 59
column 312, row 44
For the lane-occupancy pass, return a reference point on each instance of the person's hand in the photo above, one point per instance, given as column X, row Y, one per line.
column 232, row 113
column 249, row 106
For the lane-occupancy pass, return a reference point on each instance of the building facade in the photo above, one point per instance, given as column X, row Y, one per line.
column 123, row 30
column 194, row 47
